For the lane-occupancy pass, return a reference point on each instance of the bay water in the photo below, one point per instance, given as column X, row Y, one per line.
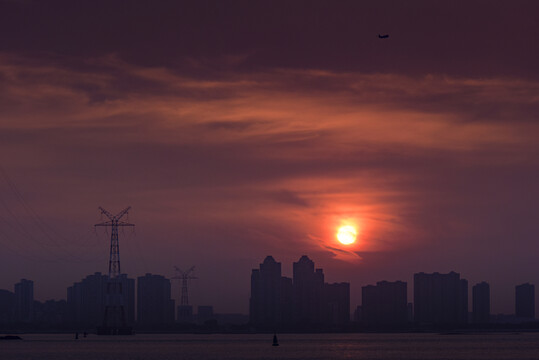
column 514, row 346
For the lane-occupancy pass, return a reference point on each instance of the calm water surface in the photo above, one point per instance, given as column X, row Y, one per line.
column 514, row 346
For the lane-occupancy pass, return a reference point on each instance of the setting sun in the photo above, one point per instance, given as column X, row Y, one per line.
column 346, row 235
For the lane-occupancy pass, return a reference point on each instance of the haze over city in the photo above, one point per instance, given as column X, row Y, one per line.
column 241, row 129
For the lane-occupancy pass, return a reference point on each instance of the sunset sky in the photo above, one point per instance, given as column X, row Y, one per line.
column 240, row 129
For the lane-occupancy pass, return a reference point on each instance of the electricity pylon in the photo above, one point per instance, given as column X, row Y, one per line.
column 184, row 276
column 114, row 319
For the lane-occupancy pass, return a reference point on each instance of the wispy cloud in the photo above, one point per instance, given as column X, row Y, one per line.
column 300, row 148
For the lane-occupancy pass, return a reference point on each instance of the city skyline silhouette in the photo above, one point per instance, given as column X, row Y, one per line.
column 241, row 129
column 305, row 302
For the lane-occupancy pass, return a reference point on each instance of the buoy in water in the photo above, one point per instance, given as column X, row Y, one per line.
column 275, row 342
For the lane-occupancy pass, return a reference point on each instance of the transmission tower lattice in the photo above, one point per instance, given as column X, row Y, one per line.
column 114, row 318
column 114, row 222
column 184, row 276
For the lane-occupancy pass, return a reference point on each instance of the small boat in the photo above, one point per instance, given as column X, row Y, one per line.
column 275, row 342
column 10, row 337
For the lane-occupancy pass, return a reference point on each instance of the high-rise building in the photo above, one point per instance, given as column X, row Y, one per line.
column 7, row 306
column 86, row 300
column 370, row 305
column 463, row 309
column 440, row 298
column 24, row 301
column 385, row 303
column 481, row 303
column 265, row 304
column 308, row 284
column 128, row 297
column 525, row 301
column 304, row 300
column 154, row 303
column 337, row 299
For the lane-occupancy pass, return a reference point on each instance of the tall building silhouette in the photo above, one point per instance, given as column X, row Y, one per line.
column 154, row 303
column 525, row 301
column 481, row 303
column 337, row 302
column 304, row 300
column 266, row 302
column 440, row 299
column 24, row 301
column 86, row 300
column 308, row 292
column 128, row 286
column 385, row 304
column 7, row 306
column 463, row 309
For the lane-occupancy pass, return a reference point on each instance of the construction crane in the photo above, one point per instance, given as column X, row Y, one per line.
column 184, row 276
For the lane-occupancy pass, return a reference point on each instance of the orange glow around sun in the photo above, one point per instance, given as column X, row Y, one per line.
column 347, row 235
